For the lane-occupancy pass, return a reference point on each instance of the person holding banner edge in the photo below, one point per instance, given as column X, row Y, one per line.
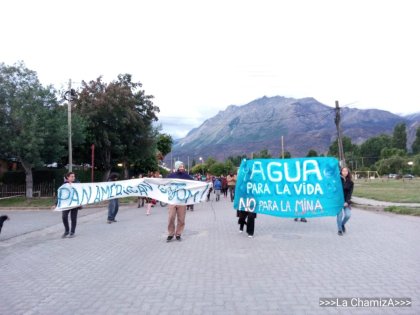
column 177, row 212
column 344, row 214
column 113, row 205
column 247, row 218
column 70, row 178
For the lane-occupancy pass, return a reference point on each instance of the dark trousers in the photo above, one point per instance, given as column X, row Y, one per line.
column 224, row 191
column 113, row 207
column 73, row 217
column 248, row 219
column 232, row 192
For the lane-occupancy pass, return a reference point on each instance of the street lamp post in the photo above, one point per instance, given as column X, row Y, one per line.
column 70, row 95
column 202, row 165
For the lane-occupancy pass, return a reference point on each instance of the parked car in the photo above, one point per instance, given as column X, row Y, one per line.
column 394, row 176
column 409, row 176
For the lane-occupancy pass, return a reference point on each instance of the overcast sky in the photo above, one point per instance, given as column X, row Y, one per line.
column 198, row 57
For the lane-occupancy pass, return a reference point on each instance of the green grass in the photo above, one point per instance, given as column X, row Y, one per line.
column 24, row 202
column 403, row 210
column 392, row 190
column 47, row 202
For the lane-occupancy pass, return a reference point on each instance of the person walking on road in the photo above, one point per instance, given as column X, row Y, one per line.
column 113, row 204
column 70, row 178
column 247, row 218
column 177, row 212
column 344, row 214
column 140, row 200
column 150, row 202
column 231, row 182
column 217, row 188
column 224, row 185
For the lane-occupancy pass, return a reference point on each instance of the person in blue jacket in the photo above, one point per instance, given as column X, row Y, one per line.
column 217, row 188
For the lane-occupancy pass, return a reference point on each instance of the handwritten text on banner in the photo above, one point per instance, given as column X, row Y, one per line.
column 171, row 191
column 301, row 187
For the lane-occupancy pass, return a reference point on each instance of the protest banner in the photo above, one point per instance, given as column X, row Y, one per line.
column 299, row 187
column 172, row 191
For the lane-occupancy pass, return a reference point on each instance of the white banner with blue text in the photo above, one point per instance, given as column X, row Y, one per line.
column 169, row 190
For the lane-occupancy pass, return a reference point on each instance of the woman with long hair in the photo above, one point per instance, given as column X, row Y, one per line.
column 344, row 214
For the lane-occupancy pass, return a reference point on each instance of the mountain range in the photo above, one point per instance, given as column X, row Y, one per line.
column 304, row 124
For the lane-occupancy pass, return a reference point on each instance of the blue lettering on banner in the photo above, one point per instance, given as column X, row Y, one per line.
column 177, row 192
column 174, row 191
column 301, row 187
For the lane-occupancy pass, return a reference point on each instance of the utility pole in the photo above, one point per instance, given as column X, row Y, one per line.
column 70, row 98
column 339, row 137
column 282, row 147
column 92, row 147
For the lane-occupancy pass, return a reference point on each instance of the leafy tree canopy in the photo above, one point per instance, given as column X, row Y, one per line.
column 120, row 117
column 399, row 137
column 33, row 128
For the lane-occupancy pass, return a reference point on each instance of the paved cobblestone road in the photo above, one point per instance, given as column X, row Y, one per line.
column 128, row 268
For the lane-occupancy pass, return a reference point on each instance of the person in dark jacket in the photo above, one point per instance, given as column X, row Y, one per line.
column 113, row 204
column 70, row 178
column 177, row 212
column 246, row 218
column 344, row 214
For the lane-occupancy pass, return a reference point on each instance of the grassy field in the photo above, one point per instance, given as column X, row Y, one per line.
column 22, row 202
column 392, row 190
column 403, row 210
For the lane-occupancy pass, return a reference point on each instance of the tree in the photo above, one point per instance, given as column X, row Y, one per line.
column 236, row 160
column 229, row 167
column 416, row 144
column 209, row 162
column 399, row 137
column 394, row 164
column 370, row 150
column 416, row 165
column 287, row 155
column 164, row 144
column 311, row 153
column 389, row 152
column 120, row 117
column 263, row 154
column 32, row 126
column 218, row 169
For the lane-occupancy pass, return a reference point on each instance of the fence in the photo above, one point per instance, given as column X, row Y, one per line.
column 39, row 190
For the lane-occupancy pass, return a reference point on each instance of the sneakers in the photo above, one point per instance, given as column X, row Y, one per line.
column 169, row 238
column 240, row 231
column 178, row 237
column 65, row 235
column 250, row 236
column 340, row 233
